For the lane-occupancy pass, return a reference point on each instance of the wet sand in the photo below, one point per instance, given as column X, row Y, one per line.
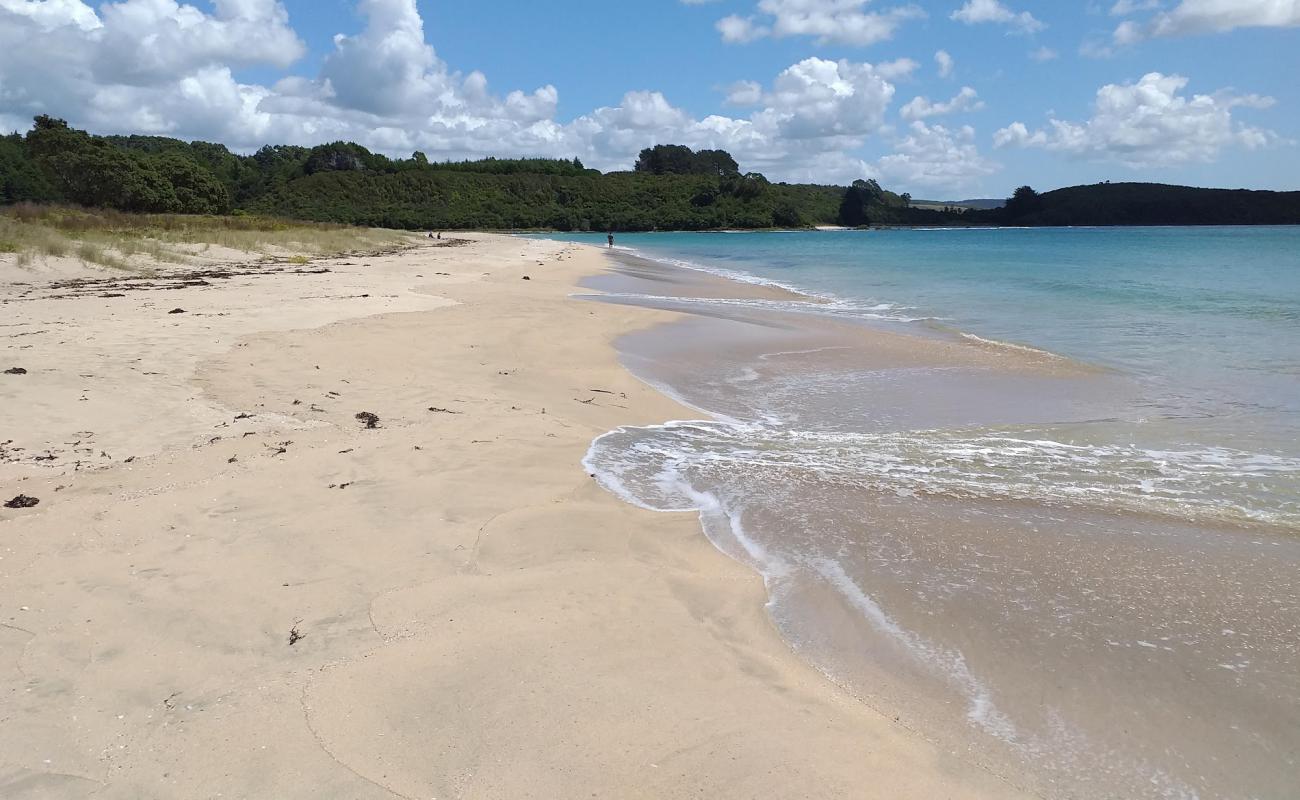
column 232, row 587
column 1086, row 650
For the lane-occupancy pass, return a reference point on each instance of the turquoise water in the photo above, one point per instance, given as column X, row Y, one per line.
column 1086, row 577
column 1208, row 317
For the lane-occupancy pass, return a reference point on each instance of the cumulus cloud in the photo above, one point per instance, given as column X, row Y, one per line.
column 898, row 68
column 921, row 107
column 155, row 66
column 817, row 99
column 806, row 122
column 1191, row 17
column 1148, row 124
column 745, row 93
column 139, row 64
column 736, row 29
column 848, row 22
column 160, row 67
column 53, row 14
column 975, row 12
column 935, row 157
column 142, row 41
column 1043, row 54
column 945, row 63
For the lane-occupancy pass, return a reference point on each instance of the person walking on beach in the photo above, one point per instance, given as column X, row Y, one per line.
column 611, row 238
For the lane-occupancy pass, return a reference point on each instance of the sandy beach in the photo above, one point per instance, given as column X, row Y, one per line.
column 232, row 587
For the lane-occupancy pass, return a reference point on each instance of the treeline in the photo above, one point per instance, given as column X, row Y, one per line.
column 676, row 159
column 1106, row 204
column 626, row 201
column 670, row 188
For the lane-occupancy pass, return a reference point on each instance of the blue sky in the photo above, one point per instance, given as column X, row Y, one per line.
column 1188, row 91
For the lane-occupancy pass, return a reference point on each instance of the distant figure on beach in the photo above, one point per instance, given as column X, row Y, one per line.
column 439, row 235
column 611, row 238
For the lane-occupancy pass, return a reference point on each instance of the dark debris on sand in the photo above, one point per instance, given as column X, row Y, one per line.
column 179, row 279
column 15, row 371
column 21, row 501
column 368, row 419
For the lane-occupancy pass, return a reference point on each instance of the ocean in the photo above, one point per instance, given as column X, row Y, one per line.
column 1034, row 493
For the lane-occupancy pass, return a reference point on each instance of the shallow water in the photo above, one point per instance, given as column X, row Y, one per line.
column 1080, row 571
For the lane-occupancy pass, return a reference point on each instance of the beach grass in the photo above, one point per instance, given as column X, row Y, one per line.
column 122, row 240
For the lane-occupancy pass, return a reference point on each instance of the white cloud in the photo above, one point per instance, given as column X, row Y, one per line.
column 945, row 63
column 819, row 99
column 153, row 66
column 52, row 14
column 807, row 121
column 1123, row 8
column 745, row 93
column 1043, row 54
column 898, row 68
column 975, row 12
column 386, row 88
column 1126, row 33
column 827, row 21
column 921, row 107
column 1191, row 17
column 935, row 157
column 141, row 41
column 139, row 63
column 736, row 29
column 1149, row 124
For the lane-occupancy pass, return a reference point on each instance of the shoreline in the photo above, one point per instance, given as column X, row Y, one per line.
column 777, row 463
column 452, row 638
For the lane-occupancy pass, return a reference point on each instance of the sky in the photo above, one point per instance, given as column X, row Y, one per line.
column 946, row 99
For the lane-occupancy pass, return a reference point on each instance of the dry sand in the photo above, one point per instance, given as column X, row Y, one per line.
column 471, row 615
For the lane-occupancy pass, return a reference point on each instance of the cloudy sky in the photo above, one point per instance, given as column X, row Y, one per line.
column 943, row 98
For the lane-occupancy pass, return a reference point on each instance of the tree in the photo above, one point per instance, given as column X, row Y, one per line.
column 1023, row 202
column 103, row 177
column 666, row 159
column 676, row 159
column 786, row 215
column 871, row 189
column 50, row 137
column 92, row 172
column 715, row 162
column 21, row 180
column 337, row 156
column 749, row 186
column 197, row 190
column 853, row 207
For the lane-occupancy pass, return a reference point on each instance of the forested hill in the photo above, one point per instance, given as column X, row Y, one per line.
column 670, row 187
column 1143, row 204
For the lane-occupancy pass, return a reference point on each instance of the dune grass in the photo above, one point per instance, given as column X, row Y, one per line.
column 119, row 240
